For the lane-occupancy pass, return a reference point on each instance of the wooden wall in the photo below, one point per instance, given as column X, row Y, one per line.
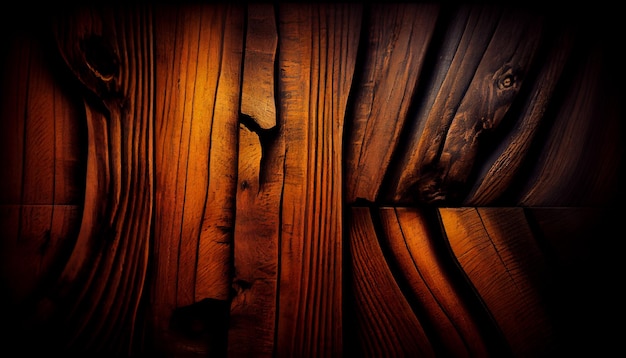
column 311, row 180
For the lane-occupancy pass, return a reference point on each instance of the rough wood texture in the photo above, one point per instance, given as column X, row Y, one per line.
column 398, row 36
column 318, row 46
column 497, row 250
column 199, row 55
column 385, row 324
column 257, row 92
column 481, row 83
column 182, row 179
column 41, row 182
column 505, row 162
column 93, row 305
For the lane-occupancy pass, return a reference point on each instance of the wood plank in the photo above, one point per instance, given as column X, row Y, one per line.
column 493, row 55
column 257, row 90
column 421, row 261
column 317, row 54
column 497, row 250
column 199, row 56
column 465, row 40
column 97, row 296
column 385, row 324
column 398, row 36
column 504, row 164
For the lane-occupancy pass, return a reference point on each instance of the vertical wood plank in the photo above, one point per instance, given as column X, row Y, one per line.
column 494, row 64
column 97, row 297
column 464, row 44
column 318, row 45
column 257, row 91
column 199, row 56
column 502, row 166
column 214, row 271
column 398, row 37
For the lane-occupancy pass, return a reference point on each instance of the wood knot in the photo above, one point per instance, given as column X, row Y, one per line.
column 100, row 57
column 506, row 78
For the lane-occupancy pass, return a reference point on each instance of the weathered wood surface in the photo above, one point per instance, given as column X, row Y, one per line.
column 459, row 329
column 318, row 48
column 505, row 162
column 497, row 250
column 398, row 36
column 257, row 92
column 187, row 185
column 199, row 51
column 260, row 185
column 385, row 321
column 93, row 303
column 484, row 76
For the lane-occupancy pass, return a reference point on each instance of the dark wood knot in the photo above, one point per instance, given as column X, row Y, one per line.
column 100, row 57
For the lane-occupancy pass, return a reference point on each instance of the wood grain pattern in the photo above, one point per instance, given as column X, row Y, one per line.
column 318, row 45
column 386, row 324
column 497, row 250
column 447, row 149
column 398, row 37
column 463, row 44
column 421, row 260
column 96, row 299
column 41, row 179
column 505, row 162
column 253, row 310
column 199, row 56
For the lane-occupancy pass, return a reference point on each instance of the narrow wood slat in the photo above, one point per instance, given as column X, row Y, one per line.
column 398, row 37
column 420, row 260
column 214, row 271
column 317, row 54
column 386, row 325
column 257, row 91
column 497, row 250
column 199, row 54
